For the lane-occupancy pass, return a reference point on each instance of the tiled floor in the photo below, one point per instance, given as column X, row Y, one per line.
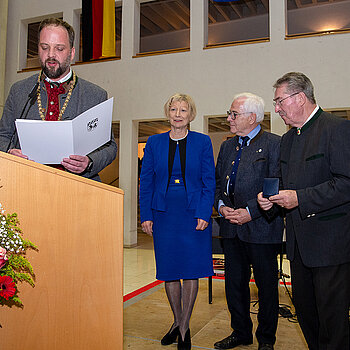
column 139, row 265
column 147, row 316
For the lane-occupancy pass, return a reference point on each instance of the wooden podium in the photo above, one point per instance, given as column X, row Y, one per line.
column 77, row 224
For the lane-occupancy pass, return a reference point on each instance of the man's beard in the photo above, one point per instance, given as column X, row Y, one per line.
column 54, row 73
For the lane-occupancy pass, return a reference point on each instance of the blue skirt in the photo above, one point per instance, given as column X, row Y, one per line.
column 181, row 251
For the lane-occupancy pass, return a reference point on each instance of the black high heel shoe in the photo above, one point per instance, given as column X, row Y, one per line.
column 186, row 343
column 171, row 336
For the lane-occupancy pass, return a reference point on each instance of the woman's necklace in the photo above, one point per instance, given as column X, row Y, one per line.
column 41, row 109
column 180, row 138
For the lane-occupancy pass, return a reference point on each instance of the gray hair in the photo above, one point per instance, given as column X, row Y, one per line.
column 252, row 103
column 297, row 82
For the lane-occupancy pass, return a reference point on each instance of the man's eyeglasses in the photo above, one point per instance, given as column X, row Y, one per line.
column 234, row 114
column 279, row 102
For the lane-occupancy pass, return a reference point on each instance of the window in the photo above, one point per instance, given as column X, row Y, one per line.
column 152, row 127
column 237, row 21
column 315, row 17
column 164, row 25
column 339, row 112
column 32, row 45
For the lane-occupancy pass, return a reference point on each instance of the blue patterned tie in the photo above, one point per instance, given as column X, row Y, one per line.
column 231, row 185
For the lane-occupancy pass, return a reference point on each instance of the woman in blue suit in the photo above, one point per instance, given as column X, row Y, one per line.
column 177, row 186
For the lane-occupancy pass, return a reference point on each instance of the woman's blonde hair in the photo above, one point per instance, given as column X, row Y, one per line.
column 181, row 97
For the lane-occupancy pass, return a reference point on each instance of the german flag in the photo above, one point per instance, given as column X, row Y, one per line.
column 98, row 29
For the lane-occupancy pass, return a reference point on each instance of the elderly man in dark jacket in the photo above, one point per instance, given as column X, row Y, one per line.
column 248, row 238
column 315, row 170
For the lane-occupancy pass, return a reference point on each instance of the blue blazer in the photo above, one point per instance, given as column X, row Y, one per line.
column 199, row 175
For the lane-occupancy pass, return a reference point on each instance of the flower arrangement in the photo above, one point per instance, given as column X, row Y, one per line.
column 14, row 266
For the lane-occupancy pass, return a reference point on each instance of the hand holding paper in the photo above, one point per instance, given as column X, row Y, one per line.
column 17, row 152
column 49, row 142
column 76, row 164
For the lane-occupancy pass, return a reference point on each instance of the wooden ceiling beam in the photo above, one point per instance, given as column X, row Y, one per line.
column 237, row 10
column 265, row 4
column 221, row 11
column 145, row 22
column 170, row 17
column 210, row 10
column 184, row 15
column 298, row 3
column 252, row 6
column 183, row 18
column 152, row 15
column 211, row 18
column 183, row 7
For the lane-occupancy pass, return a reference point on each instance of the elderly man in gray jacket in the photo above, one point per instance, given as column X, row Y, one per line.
column 248, row 238
column 56, row 93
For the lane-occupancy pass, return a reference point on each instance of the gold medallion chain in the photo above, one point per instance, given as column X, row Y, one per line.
column 69, row 94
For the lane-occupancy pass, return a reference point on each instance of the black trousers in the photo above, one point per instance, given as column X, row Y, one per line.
column 239, row 257
column 321, row 297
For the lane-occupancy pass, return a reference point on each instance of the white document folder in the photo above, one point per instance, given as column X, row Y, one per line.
column 48, row 142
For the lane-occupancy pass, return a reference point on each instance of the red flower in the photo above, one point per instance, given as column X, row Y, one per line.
column 7, row 287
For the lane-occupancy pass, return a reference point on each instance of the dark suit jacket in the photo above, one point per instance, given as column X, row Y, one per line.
column 199, row 175
column 259, row 160
column 316, row 164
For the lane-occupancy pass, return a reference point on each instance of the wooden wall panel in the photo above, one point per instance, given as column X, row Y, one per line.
column 77, row 224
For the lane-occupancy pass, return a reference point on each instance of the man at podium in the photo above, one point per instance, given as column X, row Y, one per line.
column 56, row 93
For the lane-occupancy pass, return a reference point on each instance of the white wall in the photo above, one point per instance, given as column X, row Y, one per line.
column 212, row 76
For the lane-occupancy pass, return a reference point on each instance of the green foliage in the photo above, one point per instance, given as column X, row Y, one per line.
column 17, row 266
